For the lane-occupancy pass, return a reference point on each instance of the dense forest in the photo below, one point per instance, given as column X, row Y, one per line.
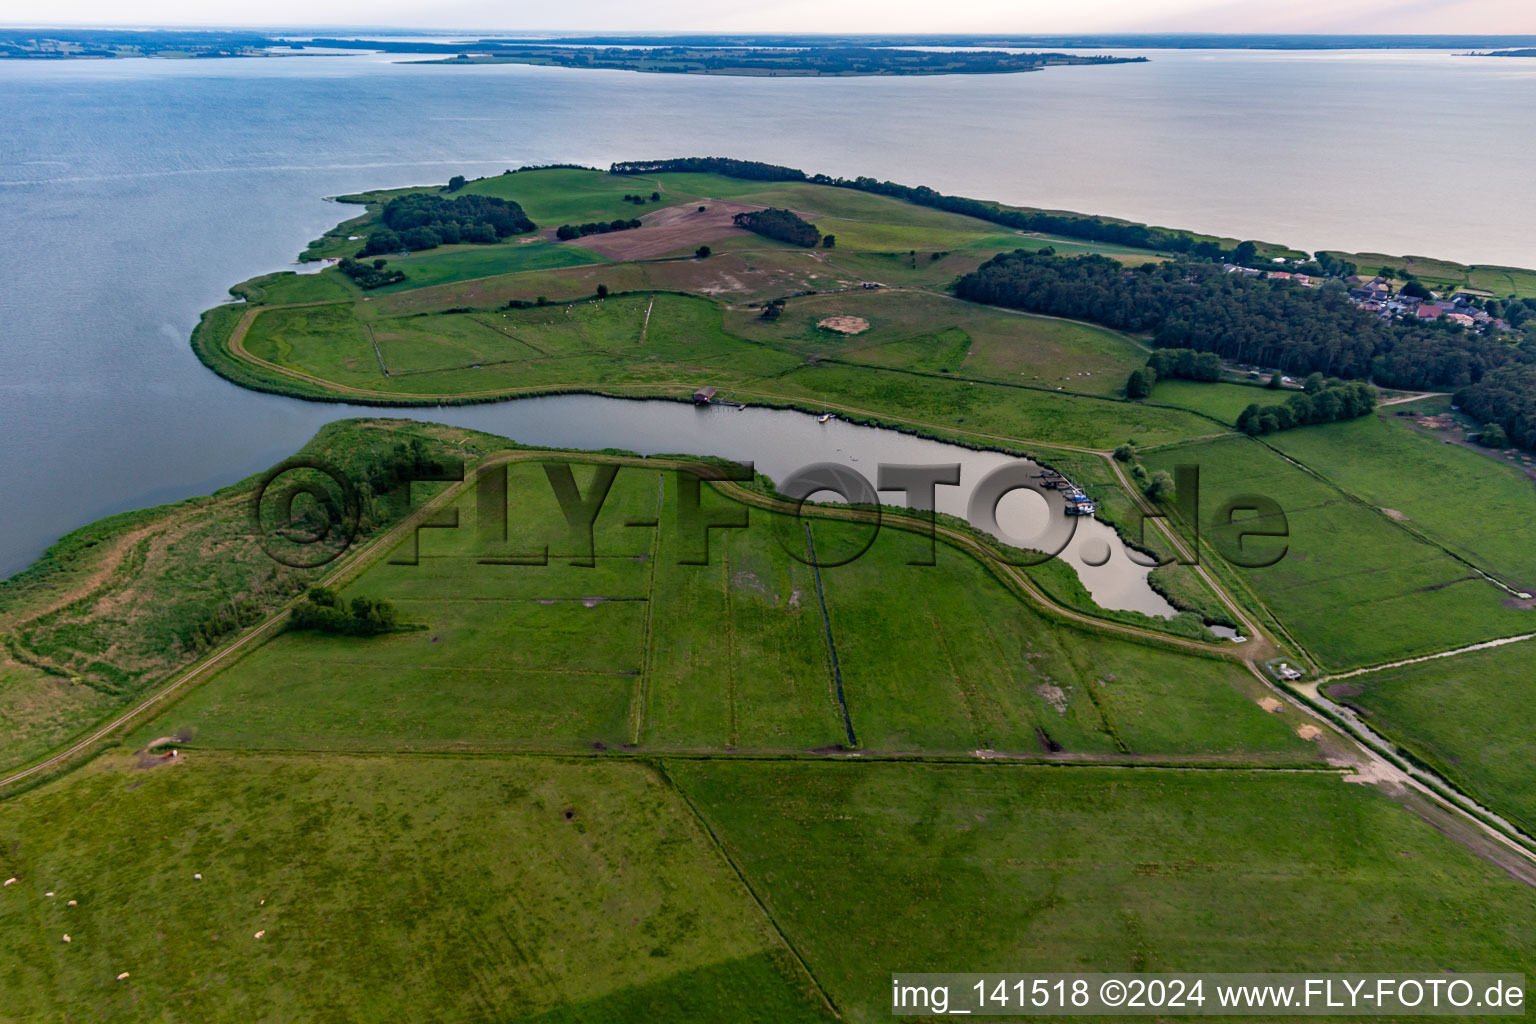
column 1505, row 397
column 784, row 225
column 1186, row 364
column 422, row 220
column 1195, row 305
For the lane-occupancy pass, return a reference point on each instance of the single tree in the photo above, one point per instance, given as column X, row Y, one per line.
column 702, row 252
column 602, row 291
column 1139, row 384
column 1161, row 487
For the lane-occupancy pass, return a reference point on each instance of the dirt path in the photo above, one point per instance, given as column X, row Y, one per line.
column 1427, row 657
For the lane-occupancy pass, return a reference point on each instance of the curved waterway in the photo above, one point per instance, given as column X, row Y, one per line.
column 779, row 442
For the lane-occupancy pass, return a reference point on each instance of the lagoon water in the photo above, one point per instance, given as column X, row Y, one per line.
column 133, row 193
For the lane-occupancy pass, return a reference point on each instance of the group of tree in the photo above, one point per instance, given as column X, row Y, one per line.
column 1197, row 305
column 455, row 183
column 749, row 170
column 425, row 221
column 772, row 309
column 1323, row 401
column 640, row 200
column 784, row 225
column 566, row 232
column 324, row 611
column 370, row 275
column 1504, row 399
column 1181, row 363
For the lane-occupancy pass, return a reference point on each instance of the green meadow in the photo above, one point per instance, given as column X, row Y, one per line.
column 638, row 650
column 299, row 888
column 1354, row 588
column 1470, row 716
column 1220, row 401
column 871, row 869
column 446, row 332
column 1474, row 506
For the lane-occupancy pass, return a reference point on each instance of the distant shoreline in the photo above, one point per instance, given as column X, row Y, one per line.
column 57, row 43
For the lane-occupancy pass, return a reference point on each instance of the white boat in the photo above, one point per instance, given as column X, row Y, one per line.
column 824, row 417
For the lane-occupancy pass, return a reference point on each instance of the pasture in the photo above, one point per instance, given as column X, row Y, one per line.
column 400, row 887
column 866, row 867
column 1354, row 587
column 641, row 651
column 1476, row 507
column 1470, row 716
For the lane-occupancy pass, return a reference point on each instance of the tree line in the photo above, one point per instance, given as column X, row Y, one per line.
column 1180, row 363
column 324, row 611
column 566, row 232
column 1323, row 401
column 784, row 225
column 1094, row 229
column 425, row 221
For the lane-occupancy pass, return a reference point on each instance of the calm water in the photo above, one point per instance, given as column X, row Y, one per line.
column 135, row 192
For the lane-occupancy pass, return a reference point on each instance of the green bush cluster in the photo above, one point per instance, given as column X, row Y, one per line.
column 324, row 611
column 783, row 225
column 1328, row 403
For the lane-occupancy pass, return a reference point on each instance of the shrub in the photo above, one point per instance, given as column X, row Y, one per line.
column 1493, row 436
column 323, row 611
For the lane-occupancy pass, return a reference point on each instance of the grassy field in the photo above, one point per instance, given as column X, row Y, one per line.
column 1224, row 402
column 468, row 262
column 1470, row 716
column 871, row 869
column 928, row 363
column 117, row 607
column 1444, row 275
column 1477, row 507
column 639, row 649
column 935, row 334
column 402, row 887
column 1354, row 587
column 668, row 343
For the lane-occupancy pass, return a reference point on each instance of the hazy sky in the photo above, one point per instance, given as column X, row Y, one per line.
column 1043, row 16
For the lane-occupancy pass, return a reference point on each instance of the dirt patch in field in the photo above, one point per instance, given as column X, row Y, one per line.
column 1271, row 705
column 1053, row 695
column 1395, row 514
column 1340, row 691
column 668, row 230
column 844, row 324
column 1309, row 732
